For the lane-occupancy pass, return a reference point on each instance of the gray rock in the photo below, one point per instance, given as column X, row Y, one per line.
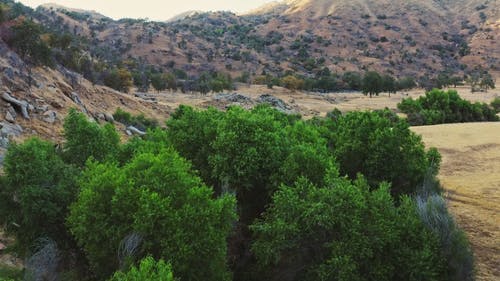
column 101, row 116
column 10, row 130
column 135, row 131
column 109, row 117
column 129, row 133
column 21, row 104
column 76, row 99
column 9, row 72
column 4, row 142
column 50, row 116
column 9, row 117
column 275, row 102
column 42, row 108
column 239, row 98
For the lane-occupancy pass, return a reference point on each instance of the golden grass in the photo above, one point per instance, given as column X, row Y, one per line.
column 470, row 174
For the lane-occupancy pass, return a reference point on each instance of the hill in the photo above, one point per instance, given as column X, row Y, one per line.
column 403, row 38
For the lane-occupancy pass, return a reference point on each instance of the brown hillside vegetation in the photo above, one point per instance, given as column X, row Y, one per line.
column 470, row 174
column 400, row 37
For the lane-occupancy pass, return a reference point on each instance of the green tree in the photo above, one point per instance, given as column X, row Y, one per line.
column 249, row 149
column 26, row 41
column 158, row 82
column 487, row 82
column 119, row 79
column 37, row 190
column 389, row 84
column 382, row 147
column 86, row 139
column 192, row 132
column 372, row 83
column 148, row 269
column 157, row 196
column 342, row 231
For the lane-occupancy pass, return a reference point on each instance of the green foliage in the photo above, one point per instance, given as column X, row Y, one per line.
column 438, row 107
column 142, row 199
column 495, row 104
column 148, row 270
column 26, row 41
column 86, row 139
column 158, row 197
column 380, row 146
column 10, row 274
column 373, row 83
column 249, row 148
column 213, row 81
column 343, row 231
column 37, row 190
column 139, row 121
column 192, row 133
column 119, row 79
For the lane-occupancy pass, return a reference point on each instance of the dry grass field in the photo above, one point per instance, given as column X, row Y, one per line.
column 470, row 174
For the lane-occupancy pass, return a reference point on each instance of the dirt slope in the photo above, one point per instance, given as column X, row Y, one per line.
column 470, row 174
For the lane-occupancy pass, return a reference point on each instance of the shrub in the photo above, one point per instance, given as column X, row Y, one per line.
column 495, row 104
column 38, row 188
column 156, row 196
column 438, row 107
column 362, row 141
column 454, row 246
column 139, row 121
column 86, row 139
column 343, row 231
column 148, row 269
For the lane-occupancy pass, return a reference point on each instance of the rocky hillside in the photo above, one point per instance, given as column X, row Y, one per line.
column 35, row 100
column 414, row 38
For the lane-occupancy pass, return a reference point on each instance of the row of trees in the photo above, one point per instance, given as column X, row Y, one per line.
column 371, row 82
column 438, row 107
column 242, row 195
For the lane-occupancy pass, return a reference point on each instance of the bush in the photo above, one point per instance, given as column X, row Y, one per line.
column 34, row 199
column 343, row 231
column 380, row 146
column 138, row 121
column 86, row 139
column 438, row 107
column 148, row 269
column 156, row 196
column 495, row 104
column 454, row 246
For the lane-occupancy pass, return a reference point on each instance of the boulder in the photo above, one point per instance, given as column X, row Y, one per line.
column 101, row 116
column 275, row 102
column 235, row 97
column 9, row 117
column 24, row 106
column 109, row 117
column 50, row 116
column 10, row 130
column 42, row 108
column 135, row 131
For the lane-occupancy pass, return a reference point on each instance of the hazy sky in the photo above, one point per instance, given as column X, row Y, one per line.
column 152, row 9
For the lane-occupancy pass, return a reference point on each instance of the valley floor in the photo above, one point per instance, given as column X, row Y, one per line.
column 470, row 174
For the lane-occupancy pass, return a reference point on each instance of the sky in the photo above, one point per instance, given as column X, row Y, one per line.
column 153, row 9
